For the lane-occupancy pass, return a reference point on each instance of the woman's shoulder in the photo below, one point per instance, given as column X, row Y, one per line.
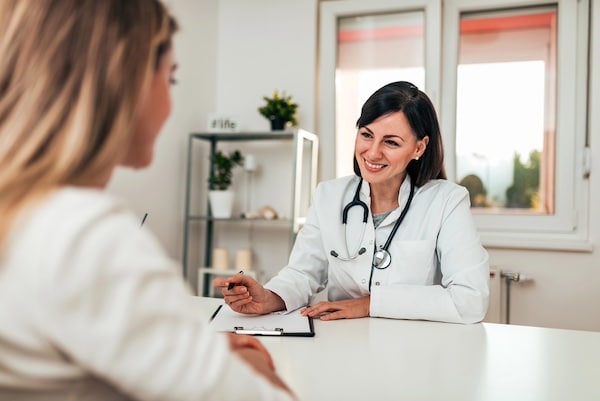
column 83, row 200
column 76, row 207
column 70, row 215
column 81, row 234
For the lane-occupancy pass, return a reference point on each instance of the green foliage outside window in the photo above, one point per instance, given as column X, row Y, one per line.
column 526, row 182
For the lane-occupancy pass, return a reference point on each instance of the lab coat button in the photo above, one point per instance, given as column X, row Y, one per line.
column 371, row 242
column 364, row 281
column 377, row 283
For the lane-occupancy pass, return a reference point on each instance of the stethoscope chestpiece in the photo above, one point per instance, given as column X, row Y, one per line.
column 382, row 259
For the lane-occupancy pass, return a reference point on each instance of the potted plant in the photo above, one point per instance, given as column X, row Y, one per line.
column 279, row 110
column 220, row 195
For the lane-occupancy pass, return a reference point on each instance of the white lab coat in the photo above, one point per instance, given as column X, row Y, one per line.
column 439, row 269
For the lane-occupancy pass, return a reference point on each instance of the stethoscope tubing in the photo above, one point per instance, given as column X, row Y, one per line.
column 384, row 259
column 400, row 218
column 356, row 202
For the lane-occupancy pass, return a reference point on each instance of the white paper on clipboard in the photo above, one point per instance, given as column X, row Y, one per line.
column 289, row 324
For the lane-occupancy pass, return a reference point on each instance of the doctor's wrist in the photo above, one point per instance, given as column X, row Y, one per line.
column 275, row 302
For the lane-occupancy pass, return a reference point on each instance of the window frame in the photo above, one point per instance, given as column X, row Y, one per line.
column 568, row 228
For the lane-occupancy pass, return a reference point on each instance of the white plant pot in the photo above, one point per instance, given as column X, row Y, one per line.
column 221, row 203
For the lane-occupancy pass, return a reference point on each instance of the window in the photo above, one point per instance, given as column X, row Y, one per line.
column 505, row 120
column 547, row 43
column 513, row 79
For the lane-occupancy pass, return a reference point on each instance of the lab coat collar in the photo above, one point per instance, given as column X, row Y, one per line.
column 365, row 192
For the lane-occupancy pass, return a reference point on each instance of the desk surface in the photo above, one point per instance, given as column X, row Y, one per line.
column 385, row 359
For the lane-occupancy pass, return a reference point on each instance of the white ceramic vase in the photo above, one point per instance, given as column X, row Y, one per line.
column 221, row 203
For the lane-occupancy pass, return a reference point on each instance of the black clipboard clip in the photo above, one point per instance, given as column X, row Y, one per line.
column 258, row 331
column 261, row 328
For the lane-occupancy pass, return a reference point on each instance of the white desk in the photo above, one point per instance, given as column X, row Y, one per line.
column 384, row 359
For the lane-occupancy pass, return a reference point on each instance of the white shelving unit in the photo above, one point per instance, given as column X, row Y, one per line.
column 298, row 139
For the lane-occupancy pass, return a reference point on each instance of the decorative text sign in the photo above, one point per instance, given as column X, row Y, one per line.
column 222, row 123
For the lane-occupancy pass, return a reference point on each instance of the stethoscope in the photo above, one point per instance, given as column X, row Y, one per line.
column 382, row 258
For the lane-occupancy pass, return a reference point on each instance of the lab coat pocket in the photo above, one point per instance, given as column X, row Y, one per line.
column 413, row 262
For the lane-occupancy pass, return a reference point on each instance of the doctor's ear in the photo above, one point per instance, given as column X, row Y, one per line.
column 421, row 147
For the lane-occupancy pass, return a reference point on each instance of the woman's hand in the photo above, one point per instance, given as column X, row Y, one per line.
column 258, row 362
column 239, row 341
column 248, row 295
column 347, row 309
column 256, row 355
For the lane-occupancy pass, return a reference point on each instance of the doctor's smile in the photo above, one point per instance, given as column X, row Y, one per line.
column 374, row 166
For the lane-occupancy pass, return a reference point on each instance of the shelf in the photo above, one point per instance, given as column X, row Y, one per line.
column 243, row 136
column 241, row 219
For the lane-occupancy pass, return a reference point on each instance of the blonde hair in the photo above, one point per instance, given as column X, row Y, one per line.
column 71, row 75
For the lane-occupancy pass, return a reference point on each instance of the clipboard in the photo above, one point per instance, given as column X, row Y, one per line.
column 291, row 324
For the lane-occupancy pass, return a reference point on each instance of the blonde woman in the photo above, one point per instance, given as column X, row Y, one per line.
column 85, row 295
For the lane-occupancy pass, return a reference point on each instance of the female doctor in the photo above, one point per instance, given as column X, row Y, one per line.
column 397, row 240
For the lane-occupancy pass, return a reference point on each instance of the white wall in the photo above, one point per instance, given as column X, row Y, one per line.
column 232, row 52
column 265, row 45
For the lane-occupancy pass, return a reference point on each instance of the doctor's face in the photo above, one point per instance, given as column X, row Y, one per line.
column 384, row 148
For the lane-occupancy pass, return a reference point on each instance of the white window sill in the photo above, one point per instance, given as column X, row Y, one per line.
column 552, row 242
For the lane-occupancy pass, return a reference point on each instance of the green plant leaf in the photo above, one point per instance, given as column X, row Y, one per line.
column 223, row 169
column 280, row 105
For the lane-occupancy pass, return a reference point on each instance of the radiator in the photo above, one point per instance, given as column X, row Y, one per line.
column 500, row 284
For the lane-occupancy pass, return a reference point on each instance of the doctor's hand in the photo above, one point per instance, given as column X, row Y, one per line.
column 346, row 309
column 246, row 295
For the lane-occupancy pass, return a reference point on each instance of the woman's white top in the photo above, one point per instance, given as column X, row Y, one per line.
column 439, row 269
column 86, row 293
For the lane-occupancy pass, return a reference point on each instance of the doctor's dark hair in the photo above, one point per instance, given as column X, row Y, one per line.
column 420, row 113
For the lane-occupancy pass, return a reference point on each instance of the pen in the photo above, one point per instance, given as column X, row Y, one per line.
column 144, row 219
column 231, row 285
